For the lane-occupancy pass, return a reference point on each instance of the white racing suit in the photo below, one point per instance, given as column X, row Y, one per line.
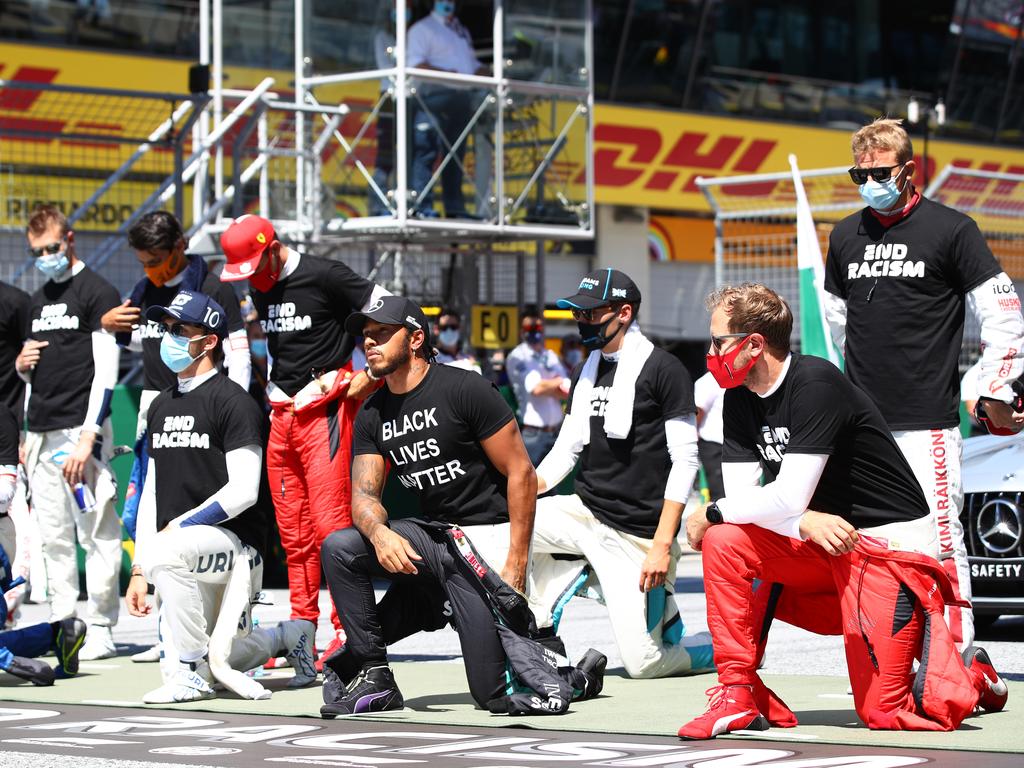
column 208, row 580
column 61, row 523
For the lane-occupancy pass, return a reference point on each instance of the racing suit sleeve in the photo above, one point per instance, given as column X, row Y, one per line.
column 681, row 440
column 145, row 522
column 105, row 357
column 234, row 497
column 996, row 306
column 835, row 314
column 8, row 484
column 237, row 359
column 779, row 505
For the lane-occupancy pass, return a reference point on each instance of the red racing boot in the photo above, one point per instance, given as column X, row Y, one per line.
column 993, row 690
column 732, row 708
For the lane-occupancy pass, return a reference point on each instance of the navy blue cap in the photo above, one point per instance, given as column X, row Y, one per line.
column 600, row 288
column 193, row 308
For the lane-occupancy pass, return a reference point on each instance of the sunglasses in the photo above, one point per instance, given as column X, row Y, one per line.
column 718, row 341
column 880, row 174
column 50, row 249
column 178, row 330
column 590, row 315
column 451, row 327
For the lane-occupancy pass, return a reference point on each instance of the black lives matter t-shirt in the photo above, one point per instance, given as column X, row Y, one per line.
column 431, row 438
column 157, row 375
column 14, row 304
column 623, row 481
column 65, row 314
column 905, row 287
column 816, row 410
column 304, row 315
column 189, row 435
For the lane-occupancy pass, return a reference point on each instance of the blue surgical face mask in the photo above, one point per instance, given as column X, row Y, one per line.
column 449, row 337
column 445, row 8
column 258, row 347
column 573, row 357
column 174, row 352
column 53, row 265
column 881, row 196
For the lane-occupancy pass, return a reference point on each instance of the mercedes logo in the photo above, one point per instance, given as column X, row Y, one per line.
column 999, row 526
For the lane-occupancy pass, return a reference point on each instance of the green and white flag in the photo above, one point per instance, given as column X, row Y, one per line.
column 815, row 338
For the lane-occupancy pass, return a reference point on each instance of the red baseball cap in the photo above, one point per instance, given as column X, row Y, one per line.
column 243, row 244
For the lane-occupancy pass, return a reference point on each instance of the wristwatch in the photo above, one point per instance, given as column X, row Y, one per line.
column 713, row 514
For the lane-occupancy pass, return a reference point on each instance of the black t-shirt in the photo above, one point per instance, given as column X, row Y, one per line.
column 905, row 288
column 13, row 318
column 304, row 315
column 157, row 375
column 817, row 410
column 66, row 314
column 8, row 437
column 623, row 481
column 189, row 435
column 431, row 437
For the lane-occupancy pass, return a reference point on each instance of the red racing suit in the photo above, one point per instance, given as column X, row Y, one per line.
column 309, row 454
column 887, row 604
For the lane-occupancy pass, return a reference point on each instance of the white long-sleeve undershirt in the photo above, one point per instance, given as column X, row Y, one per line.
column 105, row 358
column 237, row 358
column 777, row 506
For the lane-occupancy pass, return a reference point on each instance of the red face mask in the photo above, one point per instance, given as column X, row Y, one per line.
column 722, row 367
column 265, row 279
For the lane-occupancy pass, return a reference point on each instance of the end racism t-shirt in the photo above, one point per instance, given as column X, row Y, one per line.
column 304, row 316
column 905, row 288
column 65, row 314
column 816, row 410
column 157, row 375
column 431, row 439
column 189, row 435
column 623, row 481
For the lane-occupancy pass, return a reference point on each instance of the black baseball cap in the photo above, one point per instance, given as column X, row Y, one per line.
column 194, row 308
column 391, row 310
column 600, row 288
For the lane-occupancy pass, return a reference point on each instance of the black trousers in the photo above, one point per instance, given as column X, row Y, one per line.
column 441, row 593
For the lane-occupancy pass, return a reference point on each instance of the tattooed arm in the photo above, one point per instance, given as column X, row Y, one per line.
column 394, row 552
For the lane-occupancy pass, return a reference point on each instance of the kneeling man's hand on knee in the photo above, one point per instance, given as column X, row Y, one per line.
column 830, row 532
column 394, row 552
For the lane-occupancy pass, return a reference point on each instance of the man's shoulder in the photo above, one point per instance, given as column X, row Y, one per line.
column 12, row 295
column 664, row 360
column 849, row 225
column 809, row 368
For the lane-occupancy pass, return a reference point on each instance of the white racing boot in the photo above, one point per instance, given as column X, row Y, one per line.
column 192, row 681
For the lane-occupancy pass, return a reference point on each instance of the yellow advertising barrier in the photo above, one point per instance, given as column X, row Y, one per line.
column 647, row 157
column 494, row 326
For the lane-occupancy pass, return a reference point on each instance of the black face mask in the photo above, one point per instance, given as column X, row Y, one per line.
column 594, row 335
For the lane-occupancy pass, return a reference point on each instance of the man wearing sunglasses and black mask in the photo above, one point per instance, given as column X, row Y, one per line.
column 631, row 430
column 899, row 274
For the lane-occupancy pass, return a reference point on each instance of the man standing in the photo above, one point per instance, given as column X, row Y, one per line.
column 540, row 383
column 453, row 441
column 439, row 41
column 450, row 342
column 631, row 428
column 71, row 363
column 900, row 273
column 203, row 519
column 302, row 302
column 861, row 564
column 159, row 244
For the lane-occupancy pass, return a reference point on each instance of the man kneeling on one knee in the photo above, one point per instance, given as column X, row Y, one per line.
column 861, row 564
column 453, row 441
column 203, row 520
